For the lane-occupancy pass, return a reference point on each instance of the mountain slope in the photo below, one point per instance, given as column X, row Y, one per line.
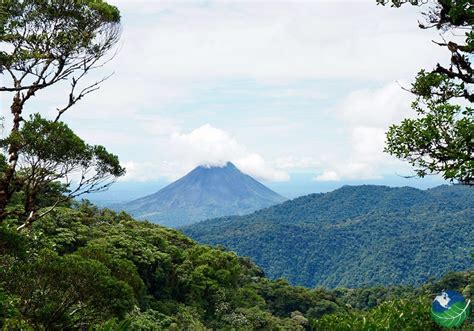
column 205, row 192
column 354, row 236
column 129, row 275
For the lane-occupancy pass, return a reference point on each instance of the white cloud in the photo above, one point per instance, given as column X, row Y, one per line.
column 368, row 142
column 293, row 162
column 207, row 145
column 139, row 172
column 350, row 170
column 366, row 115
column 156, row 125
column 255, row 165
column 275, row 40
column 146, row 171
column 376, row 107
column 169, row 50
column 328, row 176
column 172, row 52
column 211, row 146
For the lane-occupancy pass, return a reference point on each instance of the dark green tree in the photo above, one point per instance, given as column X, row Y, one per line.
column 47, row 43
column 62, row 292
column 440, row 140
column 48, row 152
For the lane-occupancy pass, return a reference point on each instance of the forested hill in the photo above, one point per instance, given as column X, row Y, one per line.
column 354, row 236
column 82, row 268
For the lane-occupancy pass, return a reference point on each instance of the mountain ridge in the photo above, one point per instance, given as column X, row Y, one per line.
column 354, row 236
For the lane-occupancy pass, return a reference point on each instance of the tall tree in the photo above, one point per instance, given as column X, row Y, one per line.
column 45, row 43
column 440, row 140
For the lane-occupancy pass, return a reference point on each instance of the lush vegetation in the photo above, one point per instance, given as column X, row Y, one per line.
column 81, row 267
column 440, row 139
column 44, row 44
column 354, row 236
column 66, row 265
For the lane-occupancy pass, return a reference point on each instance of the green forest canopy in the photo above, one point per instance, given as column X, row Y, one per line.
column 354, row 236
column 82, row 267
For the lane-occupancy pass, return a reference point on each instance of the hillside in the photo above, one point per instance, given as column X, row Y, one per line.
column 82, row 268
column 354, row 236
column 205, row 192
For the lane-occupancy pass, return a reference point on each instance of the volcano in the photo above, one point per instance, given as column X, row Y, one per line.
column 205, row 192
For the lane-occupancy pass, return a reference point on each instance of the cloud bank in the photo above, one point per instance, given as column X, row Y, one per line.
column 366, row 115
column 301, row 85
column 207, row 146
column 211, row 146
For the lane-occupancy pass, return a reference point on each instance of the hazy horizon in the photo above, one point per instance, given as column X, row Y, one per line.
column 301, row 183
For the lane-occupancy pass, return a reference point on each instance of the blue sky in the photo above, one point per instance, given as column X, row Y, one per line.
column 296, row 93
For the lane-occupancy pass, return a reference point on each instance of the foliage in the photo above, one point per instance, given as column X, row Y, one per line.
column 403, row 314
column 396, row 235
column 87, row 268
column 57, row 30
column 48, row 152
column 91, row 268
column 408, row 309
column 7, row 307
column 440, row 140
column 47, row 43
column 61, row 292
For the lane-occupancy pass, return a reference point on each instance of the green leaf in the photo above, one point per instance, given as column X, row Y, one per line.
column 454, row 316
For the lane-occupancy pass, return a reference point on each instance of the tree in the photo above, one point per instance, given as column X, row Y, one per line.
column 63, row 292
column 46, row 43
column 441, row 139
column 48, row 152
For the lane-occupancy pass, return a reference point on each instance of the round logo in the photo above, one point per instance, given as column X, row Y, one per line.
column 450, row 309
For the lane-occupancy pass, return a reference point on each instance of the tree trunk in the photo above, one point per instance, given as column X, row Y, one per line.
column 13, row 151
